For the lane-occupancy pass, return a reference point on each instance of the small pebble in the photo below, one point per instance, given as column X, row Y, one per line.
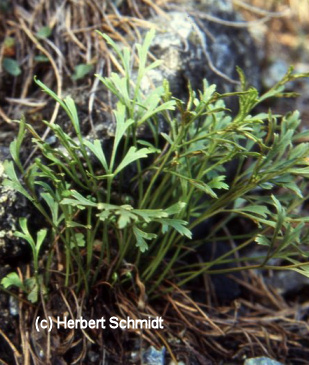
column 13, row 305
column 154, row 357
column 262, row 361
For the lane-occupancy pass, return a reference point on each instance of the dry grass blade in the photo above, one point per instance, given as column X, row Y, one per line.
column 5, row 116
column 17, row 354
column 53, row 63
column 194, row 305
column 260, row 11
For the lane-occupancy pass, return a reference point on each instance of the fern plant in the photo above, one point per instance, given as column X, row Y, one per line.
column 180, row 180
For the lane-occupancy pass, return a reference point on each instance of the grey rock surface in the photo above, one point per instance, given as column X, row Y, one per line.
column 196, row 40
column 262, row 361
column 154, row 357
column 287, row 281
column 193, row 47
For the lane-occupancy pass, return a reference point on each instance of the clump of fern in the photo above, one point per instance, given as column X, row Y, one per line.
column 180, row 181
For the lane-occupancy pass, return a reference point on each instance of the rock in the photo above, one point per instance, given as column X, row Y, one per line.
column 274, row 73
column 193, row 48
column 262, row 361
column 154, row 357
column 287, row 282
column 93, row 357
